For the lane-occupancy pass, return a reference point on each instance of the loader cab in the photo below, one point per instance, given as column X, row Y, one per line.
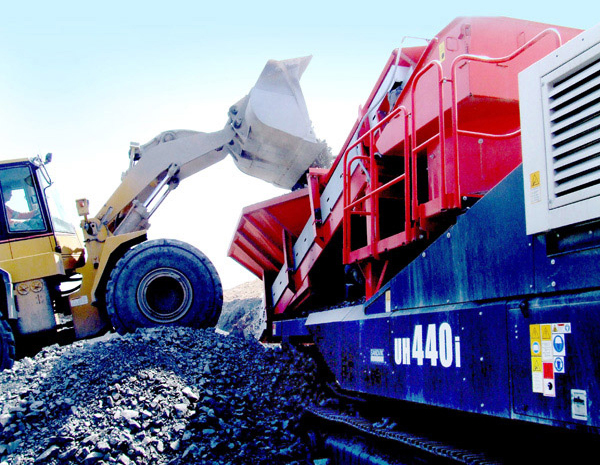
column 32, row 221
column 23, row 211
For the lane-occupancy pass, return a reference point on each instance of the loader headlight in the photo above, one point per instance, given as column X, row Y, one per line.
column 22, row 288
column 36, row 285
column 29, row 286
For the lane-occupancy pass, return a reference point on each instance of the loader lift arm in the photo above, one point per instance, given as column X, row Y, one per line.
column 156, row 168
column 269, row 136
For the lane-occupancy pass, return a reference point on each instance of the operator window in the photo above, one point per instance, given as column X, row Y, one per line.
column 21, row 204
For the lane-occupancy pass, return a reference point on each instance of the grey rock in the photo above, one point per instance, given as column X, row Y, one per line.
column 124, row 460
column 68, row 454
column 93, row 457
column 154, row 396
column 181, row 409
column 5, row 419
column 194, row 397
column 134, row 425
column 129, row 414
column 207, row 370
column 92, row 439
column 47, row 454
column 103, row 446
column 13, row 446
column 36, row 405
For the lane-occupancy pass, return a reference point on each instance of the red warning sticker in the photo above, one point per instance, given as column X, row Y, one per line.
column 548, row 371
column 549, row 385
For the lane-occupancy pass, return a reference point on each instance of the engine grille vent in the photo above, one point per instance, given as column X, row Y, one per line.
column 572, row 110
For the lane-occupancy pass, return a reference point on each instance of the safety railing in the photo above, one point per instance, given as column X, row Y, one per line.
column 374, row 191
column 487, row 60
column 440, row 135
column 412, row 147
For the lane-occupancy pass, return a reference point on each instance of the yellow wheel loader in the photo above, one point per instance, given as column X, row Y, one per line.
column 124, row 281
column 39, row 253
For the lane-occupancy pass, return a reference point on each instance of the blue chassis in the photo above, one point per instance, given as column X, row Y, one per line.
column 454, row 328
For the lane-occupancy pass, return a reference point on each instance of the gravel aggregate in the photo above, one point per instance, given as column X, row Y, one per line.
column 157, row 396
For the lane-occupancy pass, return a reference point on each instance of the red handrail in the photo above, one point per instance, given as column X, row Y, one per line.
column 410, row 175
column 440, row 134
column 372, row 191
column 488, row 60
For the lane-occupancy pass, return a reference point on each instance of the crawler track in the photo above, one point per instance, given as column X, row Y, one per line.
column 424, row 450
column 366, row 431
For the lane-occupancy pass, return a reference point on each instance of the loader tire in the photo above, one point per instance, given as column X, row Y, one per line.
column 7, row 345
column 163, row 282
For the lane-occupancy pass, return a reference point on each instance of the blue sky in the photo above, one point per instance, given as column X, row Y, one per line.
column 83, row 80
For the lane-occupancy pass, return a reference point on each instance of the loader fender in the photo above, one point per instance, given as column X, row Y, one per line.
column 7, row 345
column 87, row 305
column 7, row 310
column 163, row 282
column 113, row 249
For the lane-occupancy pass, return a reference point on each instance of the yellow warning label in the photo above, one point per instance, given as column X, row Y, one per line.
column 535, row 340
column 536, row 348
column 536, row 364
column 442, row 48
column 534, row 179
column 546, row 332
column 534, row 331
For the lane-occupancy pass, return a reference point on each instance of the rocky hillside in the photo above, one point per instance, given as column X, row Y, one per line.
column 243, row 310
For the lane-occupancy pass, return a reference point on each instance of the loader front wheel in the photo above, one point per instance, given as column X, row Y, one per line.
column 163, row 282
column 7, row 345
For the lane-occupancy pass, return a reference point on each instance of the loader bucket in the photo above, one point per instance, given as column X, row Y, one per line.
column 274, row 137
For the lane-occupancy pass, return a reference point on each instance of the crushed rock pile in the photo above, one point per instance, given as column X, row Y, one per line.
column 158, row 396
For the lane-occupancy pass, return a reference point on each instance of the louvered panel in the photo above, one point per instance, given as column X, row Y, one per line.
column 577, row 157
column 560, row 134
column 573, row 116
column 577, row 183
column 577, row 118
column 583, row 99
column 575, row 95
column 576, row 131
column 574, row 79
column 578, row 169
column 572, row 146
